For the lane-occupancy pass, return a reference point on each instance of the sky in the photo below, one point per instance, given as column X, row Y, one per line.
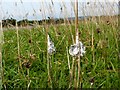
column 42, row 9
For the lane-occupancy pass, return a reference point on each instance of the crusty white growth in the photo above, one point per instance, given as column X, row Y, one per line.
column 51, row 48
column 77, row 49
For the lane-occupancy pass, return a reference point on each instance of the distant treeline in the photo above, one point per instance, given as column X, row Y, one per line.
column 12, row 22
column 25, row 22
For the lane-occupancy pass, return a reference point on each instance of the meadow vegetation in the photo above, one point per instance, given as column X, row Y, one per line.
column 99, row 65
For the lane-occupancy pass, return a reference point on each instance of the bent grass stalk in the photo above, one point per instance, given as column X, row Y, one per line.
column 77, row 41
column 68, row 55
column 48, row 63
column 18, row 47
column 48, row 56
column 1, row 42
column 77, row 76
column 71, row 73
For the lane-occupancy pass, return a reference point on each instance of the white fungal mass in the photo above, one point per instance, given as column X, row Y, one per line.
column 51, row 47
column 77, row 49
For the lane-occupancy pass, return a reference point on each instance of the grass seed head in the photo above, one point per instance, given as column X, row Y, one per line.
column 32, row 56
column 26, row 63
column 98, row 30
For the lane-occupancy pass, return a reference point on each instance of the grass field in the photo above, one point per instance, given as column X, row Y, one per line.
column 99, row 65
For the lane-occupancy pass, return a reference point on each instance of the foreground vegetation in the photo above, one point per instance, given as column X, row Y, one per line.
column 99, row 65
